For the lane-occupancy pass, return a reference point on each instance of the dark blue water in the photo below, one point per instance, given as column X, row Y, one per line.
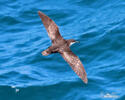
column 25, row 74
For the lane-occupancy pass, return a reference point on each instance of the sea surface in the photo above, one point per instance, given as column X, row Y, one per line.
column 25, row 74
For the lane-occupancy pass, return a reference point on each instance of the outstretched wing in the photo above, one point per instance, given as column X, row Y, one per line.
column 51, row 27
column 75, row 64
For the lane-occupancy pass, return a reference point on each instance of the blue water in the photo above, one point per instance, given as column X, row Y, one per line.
column 25, row 74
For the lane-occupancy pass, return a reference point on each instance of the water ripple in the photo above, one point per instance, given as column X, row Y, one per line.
column 99, row 26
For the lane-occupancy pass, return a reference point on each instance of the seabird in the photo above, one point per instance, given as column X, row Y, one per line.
column 62, row 46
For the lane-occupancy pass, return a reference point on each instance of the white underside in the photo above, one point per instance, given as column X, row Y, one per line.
column 71, row 43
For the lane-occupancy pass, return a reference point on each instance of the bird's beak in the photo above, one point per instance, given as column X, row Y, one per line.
column 77, row 41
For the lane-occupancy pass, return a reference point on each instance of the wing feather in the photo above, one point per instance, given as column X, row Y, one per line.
column 51, row 27
column 75, row 64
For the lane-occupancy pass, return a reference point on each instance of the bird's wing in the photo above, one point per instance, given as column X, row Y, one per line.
column 75, row 64
column 51, row 27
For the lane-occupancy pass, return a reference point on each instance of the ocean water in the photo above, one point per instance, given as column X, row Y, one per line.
column 25, row 74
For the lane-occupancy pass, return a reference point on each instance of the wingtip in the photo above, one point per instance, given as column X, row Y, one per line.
column 39, row 12
column 85, row 80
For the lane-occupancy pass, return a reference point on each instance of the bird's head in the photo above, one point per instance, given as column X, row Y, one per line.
column 71, row 41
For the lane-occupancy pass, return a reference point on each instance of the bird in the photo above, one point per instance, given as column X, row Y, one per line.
column 62, row 46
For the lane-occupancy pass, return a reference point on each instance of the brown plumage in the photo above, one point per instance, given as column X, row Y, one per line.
column 60, row 45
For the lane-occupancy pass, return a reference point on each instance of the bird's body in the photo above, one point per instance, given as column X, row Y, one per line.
column 62, row 46
column 58, row 47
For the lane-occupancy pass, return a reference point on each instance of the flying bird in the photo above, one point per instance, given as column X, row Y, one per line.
column 62, row 46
